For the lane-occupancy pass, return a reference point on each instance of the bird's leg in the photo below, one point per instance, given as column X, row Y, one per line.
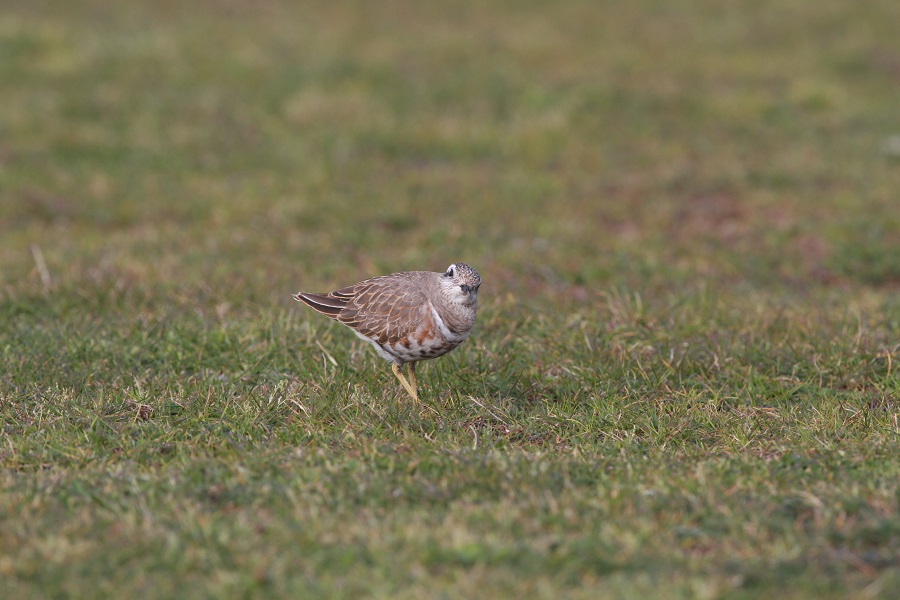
column 412, row 379
column 404, row 382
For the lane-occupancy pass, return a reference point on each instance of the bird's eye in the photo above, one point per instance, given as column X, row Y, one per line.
column 451, row 271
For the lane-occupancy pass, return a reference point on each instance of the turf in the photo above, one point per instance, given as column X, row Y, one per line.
column 683, row 378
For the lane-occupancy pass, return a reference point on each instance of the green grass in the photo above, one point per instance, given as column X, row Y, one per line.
column 683, row 381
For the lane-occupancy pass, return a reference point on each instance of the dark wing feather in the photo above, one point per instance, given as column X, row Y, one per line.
column 347, row 292
column 328, row 305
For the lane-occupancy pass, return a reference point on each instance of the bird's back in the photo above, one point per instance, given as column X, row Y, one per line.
column 384, row 309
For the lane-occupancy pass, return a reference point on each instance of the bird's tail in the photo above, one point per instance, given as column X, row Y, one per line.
column 328, row 305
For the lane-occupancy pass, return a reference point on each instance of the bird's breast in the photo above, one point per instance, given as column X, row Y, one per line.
column 429, row 338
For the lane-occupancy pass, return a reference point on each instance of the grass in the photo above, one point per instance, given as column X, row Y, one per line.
column 683, row 379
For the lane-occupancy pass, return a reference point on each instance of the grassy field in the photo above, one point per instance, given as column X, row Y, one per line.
column 683, row 382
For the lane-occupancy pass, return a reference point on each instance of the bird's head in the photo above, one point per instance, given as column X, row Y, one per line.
column 461, row 283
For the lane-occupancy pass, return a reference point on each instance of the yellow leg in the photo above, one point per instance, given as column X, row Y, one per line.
column 411, row 367
column 404, row 382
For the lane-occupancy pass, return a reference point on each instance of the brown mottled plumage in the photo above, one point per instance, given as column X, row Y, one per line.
column 407, row 317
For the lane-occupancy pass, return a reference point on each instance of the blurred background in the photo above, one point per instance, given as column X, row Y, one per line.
column 225, row 151
column 683, row 378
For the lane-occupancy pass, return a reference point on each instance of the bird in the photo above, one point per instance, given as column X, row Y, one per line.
column 407, row 316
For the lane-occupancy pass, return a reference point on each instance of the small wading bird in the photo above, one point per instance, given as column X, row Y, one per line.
column 407, row 317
